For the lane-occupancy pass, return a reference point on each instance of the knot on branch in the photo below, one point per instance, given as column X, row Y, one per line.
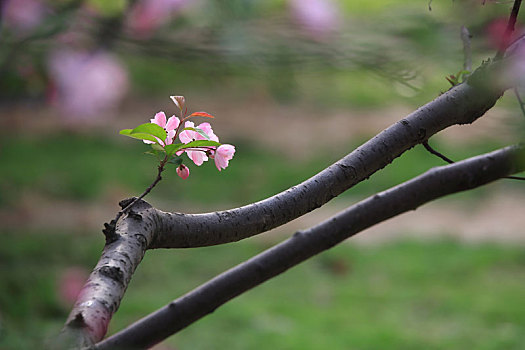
column 109, row 231
column 113, row 272
column 131, row 206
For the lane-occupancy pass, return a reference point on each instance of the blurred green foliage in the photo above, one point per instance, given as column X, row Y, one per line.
column 81, row 167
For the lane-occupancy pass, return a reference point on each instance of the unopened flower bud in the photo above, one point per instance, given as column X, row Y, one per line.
column 179, row 101
column 183, row 171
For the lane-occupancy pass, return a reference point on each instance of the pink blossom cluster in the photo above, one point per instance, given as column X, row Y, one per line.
column 148, row 15
column 23, row 16
column 318, row 18
column 221, row 154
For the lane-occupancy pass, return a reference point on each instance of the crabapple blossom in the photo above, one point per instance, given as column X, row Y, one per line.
column 187, row 136
column 199, row 142
column 183, row 171
column 223, row 155
column 170, row 126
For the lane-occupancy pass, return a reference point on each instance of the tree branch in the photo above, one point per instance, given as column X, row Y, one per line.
column 461, row 105
column 145, row 227
column 435, row 183
column 101, row 295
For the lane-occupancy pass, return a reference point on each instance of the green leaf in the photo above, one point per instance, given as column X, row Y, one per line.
column 157, row 154
column 176, row 160
column 157, row 147
column 140, row 136
column 171, row 149
column 201, row 143
column 152, row 129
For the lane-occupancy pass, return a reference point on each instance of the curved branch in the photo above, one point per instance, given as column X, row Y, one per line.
column 461, row 105
column 435, row 183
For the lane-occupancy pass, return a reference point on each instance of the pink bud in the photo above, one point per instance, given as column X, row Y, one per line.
column 183, row 171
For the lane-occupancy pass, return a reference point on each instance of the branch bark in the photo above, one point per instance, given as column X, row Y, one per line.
column 101, row 295
column 435, row 183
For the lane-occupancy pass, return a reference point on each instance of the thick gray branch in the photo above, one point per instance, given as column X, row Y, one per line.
column 433, row 184
column 101, row 295
column 461, row 105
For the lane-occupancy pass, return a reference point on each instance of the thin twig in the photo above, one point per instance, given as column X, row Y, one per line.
column 109, row 229
column 436, row 153
column 467, row 51
column 450, row 161
column 511, row 24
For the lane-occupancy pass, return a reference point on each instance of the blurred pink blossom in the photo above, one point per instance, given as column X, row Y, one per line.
column 87, row 84
column 23, row 15
column 70, row 283
column 317, row 17
column 496, row 34
column 223, row 155
column 148, row 15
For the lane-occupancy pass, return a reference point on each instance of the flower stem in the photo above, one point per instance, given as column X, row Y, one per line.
column 160, row 169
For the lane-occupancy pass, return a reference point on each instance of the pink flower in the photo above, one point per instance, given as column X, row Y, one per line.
column 170, row 126
column 317, row 17
column 496, row 34
column 223, row 155
column 183, row 171
column 87, row 84
column 148, row 15
column 23, row 15
column 187, row 136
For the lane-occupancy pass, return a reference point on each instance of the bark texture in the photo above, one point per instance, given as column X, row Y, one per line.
column 435, row 183
column 101, row 295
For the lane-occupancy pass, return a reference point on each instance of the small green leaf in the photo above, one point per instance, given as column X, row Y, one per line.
column 152, row 129
column 157, row 154
column 171, row 149
column 157, row 147
column 125, row 132
column 177, row 161
column 201, row 143
column 140, row 136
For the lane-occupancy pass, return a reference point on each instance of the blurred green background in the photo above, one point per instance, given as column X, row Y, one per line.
column 293, row 99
